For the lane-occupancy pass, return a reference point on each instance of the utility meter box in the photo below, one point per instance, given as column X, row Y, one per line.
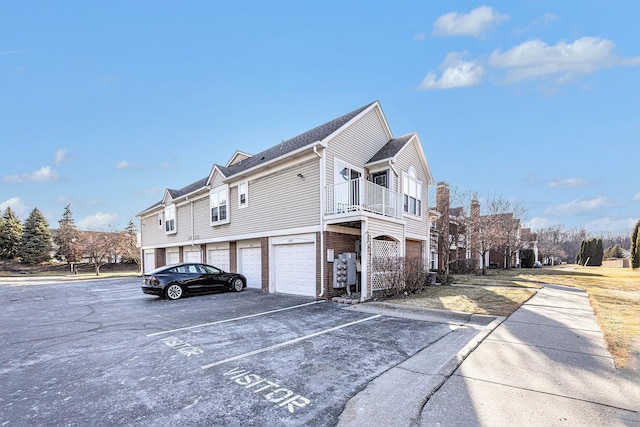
column 344, row 270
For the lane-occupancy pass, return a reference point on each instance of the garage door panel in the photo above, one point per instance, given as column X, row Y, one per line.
column 173, row 258
column 219, row 258
column 295, row 267
column 192, row 256
column 251, row 266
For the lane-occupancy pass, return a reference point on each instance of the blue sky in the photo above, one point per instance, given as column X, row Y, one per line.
column 104, row 104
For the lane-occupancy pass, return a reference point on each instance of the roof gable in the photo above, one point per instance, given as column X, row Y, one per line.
column 237, row 157
column 391, row 149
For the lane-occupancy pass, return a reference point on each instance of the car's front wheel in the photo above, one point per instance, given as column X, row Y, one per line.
column 237, row 285
column 173, row 291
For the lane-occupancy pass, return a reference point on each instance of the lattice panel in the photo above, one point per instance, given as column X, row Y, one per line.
column 381, row 252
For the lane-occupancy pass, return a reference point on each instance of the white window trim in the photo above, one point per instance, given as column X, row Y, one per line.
column 246, row 194
column 336, row 166
column 160, row 219
column 169, row 216
column 213, row 196
column 410, row 177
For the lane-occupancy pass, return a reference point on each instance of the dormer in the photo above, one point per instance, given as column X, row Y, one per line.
column 237, row 157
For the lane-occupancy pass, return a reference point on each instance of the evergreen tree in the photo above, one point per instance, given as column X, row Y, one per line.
column 35, row 244
column 10, row 234
column 131, row 251
column 613, row 252
column 67, row 238
column 635, row 246
column 598, row 253
column 581, row 258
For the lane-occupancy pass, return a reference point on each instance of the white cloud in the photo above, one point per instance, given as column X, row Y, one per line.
column 474, row 23
column 127, row 165
column 611, row 224
column 16, row 204
column 61, row 156
column 44, row 174
column 539, row 223
column 577, row 207
column 563, row 61
column 97, row 221
column 569, row 183
column 636, row 197
column 456, row 72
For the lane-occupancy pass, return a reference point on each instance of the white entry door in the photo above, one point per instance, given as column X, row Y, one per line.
column 251, row 266
column 295, row 266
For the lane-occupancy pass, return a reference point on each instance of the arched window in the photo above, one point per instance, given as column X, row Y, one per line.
column 412, row 192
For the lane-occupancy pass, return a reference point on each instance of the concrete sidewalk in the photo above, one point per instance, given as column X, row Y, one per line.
column 547, row 364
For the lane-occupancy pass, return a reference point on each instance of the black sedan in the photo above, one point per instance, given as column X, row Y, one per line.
column 175, row 281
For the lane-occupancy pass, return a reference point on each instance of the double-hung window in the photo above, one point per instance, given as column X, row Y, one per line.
column 243, row 194
column 412, row 192
column 219, row 203
column 170, row 219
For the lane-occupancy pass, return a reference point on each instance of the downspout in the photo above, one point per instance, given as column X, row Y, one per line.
column 322, row 209
column 193, row 226
column 364, row 262
column 393, row 168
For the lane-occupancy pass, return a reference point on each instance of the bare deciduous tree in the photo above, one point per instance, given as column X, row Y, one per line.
column 451, row 226
column 508, row 217
column 96, row 245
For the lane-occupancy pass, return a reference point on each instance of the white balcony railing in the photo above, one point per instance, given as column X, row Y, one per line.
column 360, row 195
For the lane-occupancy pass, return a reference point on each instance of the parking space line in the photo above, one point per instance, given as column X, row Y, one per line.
column 234, row 319
column 282, row 344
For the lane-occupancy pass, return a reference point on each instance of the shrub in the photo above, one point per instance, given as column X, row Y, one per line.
column 527, row 258
column 401, row 276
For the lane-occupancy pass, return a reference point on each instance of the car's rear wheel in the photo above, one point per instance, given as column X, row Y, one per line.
column 173, row 291
column 237, row 285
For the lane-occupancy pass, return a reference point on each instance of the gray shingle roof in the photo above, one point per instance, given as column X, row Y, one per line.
column 285, row 147
column 391, row 148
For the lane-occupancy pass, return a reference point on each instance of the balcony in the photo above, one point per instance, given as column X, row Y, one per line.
column 359, row 195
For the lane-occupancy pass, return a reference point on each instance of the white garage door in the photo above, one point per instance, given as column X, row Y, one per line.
column 218, row 258
column 251, row 266
column 192, row 256
column 173, row 257
column 149, row 261
column 296, row 269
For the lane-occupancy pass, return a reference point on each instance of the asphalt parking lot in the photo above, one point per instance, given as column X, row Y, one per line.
column 102, row 353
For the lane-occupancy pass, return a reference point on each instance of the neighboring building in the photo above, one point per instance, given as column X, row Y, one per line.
column 454, row 231
column 282, row 216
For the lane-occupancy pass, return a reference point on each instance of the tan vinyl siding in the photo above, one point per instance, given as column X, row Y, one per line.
column 378, row 228
column 409, row 157
column 201, row 218
column 151, row 234
column 217, row 180
column 358, row 143
column 280, row 200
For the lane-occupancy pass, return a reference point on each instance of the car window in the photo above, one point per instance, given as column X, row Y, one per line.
column 170, row 270
column 210, row 270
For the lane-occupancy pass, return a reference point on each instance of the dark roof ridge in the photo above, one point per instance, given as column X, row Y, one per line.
column 313, row 135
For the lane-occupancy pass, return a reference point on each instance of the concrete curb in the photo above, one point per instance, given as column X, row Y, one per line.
column 399, row 309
